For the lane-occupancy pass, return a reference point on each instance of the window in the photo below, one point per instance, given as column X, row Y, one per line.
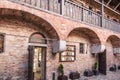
column 82, row 48
column 69, row 54
column 37, row 38
column 1, row 43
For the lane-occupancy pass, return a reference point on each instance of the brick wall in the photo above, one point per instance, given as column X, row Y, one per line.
column 14, row 60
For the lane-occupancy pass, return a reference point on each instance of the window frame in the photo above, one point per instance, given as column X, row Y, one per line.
column 2, row 36
column 83, row 51
column 72, row 56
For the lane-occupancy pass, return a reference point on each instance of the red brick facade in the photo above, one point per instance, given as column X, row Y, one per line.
column 18, row 22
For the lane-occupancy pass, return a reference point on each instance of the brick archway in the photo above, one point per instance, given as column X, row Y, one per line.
column 90, row 34
column 112, row 50
column 22, row 16
column 115, row 40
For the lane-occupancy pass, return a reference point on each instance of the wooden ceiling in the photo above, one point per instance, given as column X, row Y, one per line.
column 113, row 4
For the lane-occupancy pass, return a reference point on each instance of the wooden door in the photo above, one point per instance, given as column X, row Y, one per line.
column 37, row 63
column 30, row 62
column 102, row 62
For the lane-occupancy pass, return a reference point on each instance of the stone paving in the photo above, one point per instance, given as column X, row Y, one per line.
column 110, row 76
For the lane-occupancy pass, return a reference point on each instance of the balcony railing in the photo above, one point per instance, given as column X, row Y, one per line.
column 112, row 25
column 80, row 13
column 74, row 11
column 50, row 5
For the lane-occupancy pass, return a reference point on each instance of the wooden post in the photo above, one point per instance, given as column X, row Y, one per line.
column 102, row 13
column 30, row 1
column 82, row 16
column 62, row 7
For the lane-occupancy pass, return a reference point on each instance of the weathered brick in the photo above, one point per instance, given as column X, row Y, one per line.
column 14, row 60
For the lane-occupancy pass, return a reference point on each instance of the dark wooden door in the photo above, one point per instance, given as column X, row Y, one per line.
column 102, row 62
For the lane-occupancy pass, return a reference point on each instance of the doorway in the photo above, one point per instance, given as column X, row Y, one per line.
column 102, row 62
column 37, row 63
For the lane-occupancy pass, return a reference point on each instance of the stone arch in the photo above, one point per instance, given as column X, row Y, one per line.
column 43, row 24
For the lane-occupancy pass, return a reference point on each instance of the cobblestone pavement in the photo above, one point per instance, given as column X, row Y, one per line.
column 109, row 76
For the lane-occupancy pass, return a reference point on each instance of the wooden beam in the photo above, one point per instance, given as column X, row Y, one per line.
column 107, row 7
column 108, row 2
column 117, row 6
column 35, row 44
column 102, row 8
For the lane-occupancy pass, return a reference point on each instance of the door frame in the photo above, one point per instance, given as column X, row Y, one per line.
column 33, row 45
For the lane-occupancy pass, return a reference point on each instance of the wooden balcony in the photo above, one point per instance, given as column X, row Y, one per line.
column 72, row 10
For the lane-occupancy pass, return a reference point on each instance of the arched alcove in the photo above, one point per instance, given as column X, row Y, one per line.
column 113, row 50
column 23, row 16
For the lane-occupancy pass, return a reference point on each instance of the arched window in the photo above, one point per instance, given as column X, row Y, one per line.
column 37, row 38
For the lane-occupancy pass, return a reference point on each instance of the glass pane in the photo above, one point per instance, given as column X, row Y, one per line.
column 63, row 59
column 63, row 53
column 82, row 47
column 70, row 48
column 69, row 54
